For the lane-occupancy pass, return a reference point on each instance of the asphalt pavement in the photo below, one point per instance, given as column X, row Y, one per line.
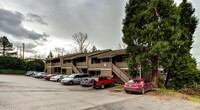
column 27, row 93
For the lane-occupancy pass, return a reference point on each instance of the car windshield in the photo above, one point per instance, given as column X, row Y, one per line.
column 65, row 76
column 72, row 76
column 134, row 81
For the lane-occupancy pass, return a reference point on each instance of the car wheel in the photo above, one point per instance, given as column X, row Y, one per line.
column 126, row 91
column 112, row 84
column 102, row 86
column 93, row 83
column 57, row 80
column 71, row 83
column 143, row 91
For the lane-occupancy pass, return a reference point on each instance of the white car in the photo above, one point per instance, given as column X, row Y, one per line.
column 55, row 78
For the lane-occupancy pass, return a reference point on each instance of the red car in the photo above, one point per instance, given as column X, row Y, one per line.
column 47, row 77
column 138, row 85
column 102, row 81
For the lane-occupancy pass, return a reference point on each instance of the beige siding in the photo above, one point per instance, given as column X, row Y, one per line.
column 67, row 65
column 49, row 70
column 69, row 71
column 48, row 64
column 121, row 65
column 106, row 64
column 57, row 64
column 81, row 64
column 106, row 73
column 52, row 70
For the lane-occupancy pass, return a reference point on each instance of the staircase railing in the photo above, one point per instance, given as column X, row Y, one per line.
column 122, row 75
column 75, row 69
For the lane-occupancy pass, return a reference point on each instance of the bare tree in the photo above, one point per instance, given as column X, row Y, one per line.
column 80, row 39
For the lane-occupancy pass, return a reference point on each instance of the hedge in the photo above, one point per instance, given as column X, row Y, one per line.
column 11, row 71
column 14, row 65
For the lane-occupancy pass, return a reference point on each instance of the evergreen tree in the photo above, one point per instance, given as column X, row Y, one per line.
column 5, row 44
column 50, row 55
column 160, row 34
column 94, row 49
column 149, row 30
column 184, row 66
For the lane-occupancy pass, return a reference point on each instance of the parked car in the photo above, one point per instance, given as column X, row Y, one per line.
column 56, row 78
column 102, row 81
column 47, row 77
column 74, row 78
column 29, row 73
column 138, row 85
column 86, row 81
column 63, row 76
column 40, row 74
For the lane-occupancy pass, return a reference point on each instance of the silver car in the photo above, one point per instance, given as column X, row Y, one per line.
column 74, row 79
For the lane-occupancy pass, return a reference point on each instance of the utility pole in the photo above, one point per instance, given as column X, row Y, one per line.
column 23, row 47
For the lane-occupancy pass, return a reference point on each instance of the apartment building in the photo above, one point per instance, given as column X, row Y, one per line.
column 103, row 62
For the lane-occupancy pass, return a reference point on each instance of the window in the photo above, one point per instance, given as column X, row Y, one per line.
column 95, row 60
column 134, row 81
column 66, row 61
column 85, row 75
column 81, row 59
column 106, row 60
column 146, row 81
column 120, row 58
column 77, row 76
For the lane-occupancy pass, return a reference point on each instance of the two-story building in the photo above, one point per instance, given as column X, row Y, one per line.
column 103, row 62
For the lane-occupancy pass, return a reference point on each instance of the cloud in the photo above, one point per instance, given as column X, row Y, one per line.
column 11, row 23
column 35, row 18
column 59, row 50
column 29, row 47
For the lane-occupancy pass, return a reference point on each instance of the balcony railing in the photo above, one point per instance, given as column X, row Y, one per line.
column 81, row 64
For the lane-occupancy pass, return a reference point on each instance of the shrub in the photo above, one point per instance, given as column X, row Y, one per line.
column 11, row 63
column 35, row 65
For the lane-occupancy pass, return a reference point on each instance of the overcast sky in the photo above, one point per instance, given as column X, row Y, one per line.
column 45, row 25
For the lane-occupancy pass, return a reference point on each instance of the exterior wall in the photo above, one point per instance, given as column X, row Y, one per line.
column 106, row 64
column 52, row 70
column 67, row 65
column 69, row 71
column 81, row 64
column 49, row 70
column 106, row 73
column 121, row 65
column 48, row 64
column 57, row 64
column 96, row 65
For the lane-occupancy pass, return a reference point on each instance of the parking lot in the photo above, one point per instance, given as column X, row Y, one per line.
column 27, row 93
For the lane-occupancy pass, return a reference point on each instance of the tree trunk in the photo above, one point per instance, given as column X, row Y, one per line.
column 155, row 76
column 4, row 48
